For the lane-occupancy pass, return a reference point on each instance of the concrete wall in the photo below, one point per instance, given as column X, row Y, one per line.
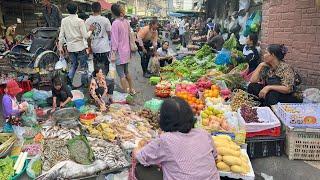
column 295, row 23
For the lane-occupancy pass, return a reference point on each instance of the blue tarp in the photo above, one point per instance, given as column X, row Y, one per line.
column 173, row 14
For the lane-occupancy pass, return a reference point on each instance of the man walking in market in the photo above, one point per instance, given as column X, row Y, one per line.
column 99, row 41
column 73, row 32
column 51, row 14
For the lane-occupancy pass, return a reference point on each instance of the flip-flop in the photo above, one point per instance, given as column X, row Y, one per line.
column 133, row 92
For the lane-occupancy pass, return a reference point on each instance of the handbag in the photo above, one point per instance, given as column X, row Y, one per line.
column 132, row 40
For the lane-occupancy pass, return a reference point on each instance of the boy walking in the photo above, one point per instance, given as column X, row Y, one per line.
column 99, row 41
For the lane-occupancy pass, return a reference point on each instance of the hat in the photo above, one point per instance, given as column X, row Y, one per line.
column 13, row 87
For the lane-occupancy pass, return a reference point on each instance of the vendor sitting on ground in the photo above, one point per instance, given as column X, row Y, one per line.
column 173, row 150
column 274, row 80
column 99, row 90
column 250, row 52
column 215, row 39
column 10, row 106
column 61, row 95
column 164, row 55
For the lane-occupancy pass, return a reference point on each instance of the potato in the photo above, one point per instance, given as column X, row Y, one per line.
column 237, row 169
column 223, row 166
column 228, row 152
column 231, row 160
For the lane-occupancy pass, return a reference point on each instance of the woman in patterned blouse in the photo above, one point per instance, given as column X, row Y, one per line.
column 274, row 80
column 182, row 151
column 99, row 90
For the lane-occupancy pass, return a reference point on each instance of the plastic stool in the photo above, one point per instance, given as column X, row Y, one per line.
column 26, row 85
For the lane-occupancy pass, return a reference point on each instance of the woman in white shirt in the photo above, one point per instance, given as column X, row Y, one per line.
column 164, row 55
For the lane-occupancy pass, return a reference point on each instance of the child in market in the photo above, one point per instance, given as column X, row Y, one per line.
column 61, row 94
column 250, row 52
column 182, row 151
column 100, row 91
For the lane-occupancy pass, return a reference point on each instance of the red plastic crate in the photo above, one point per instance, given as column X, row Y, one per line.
column 273, row 132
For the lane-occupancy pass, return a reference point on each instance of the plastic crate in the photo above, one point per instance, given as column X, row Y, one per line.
column 303, row 143
column 268, row 118
column 297, row 119
column 259, row 147
column 273, row 132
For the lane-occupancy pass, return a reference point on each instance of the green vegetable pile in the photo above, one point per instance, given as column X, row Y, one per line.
column 190, row 68
column 231, row 43
column 36, row 167
column 6, row 168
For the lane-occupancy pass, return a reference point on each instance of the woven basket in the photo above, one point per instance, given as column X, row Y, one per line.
column 303, row 143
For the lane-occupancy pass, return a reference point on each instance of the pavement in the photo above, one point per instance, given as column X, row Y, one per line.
column 280, row 168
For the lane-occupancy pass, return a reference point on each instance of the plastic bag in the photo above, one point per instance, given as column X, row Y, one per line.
column 311, row 95
column 154, row 65
column 19, row 131
column 61, row 64
column 41, row 95
column 153, row 104
column 244, row 4
column 224, row 57
column 29, row 118
column 31, row 173
column 256, row 22
column 112, row 71
column 118, row 97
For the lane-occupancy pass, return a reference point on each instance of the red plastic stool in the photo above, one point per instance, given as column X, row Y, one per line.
column 26, row 85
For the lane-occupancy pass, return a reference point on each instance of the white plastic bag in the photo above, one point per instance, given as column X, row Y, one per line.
column 61, row 64
column 244, row 4
column 112, row 71
column 311, row 95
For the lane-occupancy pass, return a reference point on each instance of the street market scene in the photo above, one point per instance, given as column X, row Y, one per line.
column 162, row 89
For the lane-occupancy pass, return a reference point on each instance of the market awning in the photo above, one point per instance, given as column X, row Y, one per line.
column 105, row 5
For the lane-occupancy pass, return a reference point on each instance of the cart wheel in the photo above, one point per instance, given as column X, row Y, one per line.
column 46, row 61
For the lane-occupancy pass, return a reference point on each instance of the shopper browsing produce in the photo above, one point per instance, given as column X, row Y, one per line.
column 11, row 109
column 215, row 39
column 250, row 52
column 61, row 95
column 99, row 90
column 274, row 80
column 179, row 159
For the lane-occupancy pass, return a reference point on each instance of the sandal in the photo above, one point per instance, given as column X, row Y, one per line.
column 133, row 92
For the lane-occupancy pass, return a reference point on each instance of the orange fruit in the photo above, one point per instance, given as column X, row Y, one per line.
column 213, row 87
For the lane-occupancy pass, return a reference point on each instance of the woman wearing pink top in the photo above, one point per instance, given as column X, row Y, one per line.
column 182, row 151
column 120, row 45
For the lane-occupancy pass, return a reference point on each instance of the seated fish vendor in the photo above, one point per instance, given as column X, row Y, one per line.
column 99, row 89
column 274, row 80
column 10, row 105
column 173, row 150
column 61, row 95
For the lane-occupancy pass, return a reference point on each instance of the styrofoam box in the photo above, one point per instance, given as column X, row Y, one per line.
column 267, row 118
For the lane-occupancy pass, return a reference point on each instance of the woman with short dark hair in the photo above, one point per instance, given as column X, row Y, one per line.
column 274, row 80
column 183, row 151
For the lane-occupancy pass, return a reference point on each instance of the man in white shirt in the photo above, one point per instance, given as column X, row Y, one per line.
column 182, row 31
column 100, row 43
column 73, row 32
